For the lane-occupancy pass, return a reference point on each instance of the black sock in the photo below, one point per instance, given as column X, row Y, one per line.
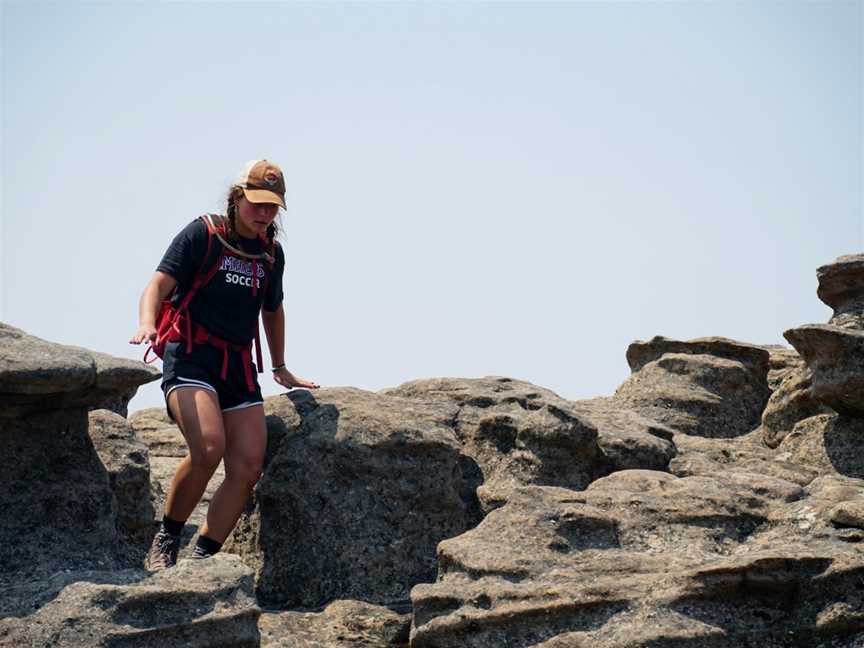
column 206, row 546
column 173, row 527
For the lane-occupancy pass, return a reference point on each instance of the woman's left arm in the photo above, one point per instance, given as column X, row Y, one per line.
column 274, row 329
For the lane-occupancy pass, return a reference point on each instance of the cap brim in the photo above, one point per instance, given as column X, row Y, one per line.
column 263, row 196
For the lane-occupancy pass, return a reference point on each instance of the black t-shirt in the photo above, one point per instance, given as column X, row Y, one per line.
column 225, row 306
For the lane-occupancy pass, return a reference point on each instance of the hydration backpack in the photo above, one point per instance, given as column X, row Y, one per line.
column 174, row 323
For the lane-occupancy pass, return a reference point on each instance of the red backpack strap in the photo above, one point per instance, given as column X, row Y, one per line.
column 202, row 278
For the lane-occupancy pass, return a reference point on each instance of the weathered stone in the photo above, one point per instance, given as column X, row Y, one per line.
column 627, row 440
column 516, row 432
column 791, row 402
column 841, row 286
column 710, row 387
column 752, row 356
column 711, row 457
column 849, row 513
column 127, row 461
column 835, row 357
column 36, row 376
column 342, row 624
column 355, row 501
column 158, row 432
column 198, row 604
column 642, row 558
column 57, row 510
column 782, row 361
column 827, row 443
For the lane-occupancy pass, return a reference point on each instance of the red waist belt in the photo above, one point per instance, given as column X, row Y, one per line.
column 183, row 328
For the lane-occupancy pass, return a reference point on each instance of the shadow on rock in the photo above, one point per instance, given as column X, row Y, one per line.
column 358, row 490
column 828, row 442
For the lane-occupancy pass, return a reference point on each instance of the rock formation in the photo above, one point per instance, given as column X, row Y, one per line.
column 841, row 286
column 355, row 498
column 75, row 516
column 710, row 387
column 198, row 604
column 715, row 500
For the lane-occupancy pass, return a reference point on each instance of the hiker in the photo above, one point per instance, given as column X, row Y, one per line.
column 199, row 312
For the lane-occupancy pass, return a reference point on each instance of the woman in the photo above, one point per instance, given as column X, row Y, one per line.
column 220, row 273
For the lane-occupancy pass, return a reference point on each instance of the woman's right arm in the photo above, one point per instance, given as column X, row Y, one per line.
column 159, row 287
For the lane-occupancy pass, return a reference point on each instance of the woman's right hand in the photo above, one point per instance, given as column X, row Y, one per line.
column 143, row 334
column 157, row 289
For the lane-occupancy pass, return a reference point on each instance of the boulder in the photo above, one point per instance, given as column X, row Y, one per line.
column 355, row 499
column 627, row 440
column 829, row 444
column 516, row 432
column 36, row 376
column 835, row 358
column 198, row 604
column 642, row 558
column 342, row 624
column 57, row 509
column 791, row 402
column 127, row 462
column 158, row 432
column 711, row 387
column 841, row 286
column 744, row 455
column 849, row 513
column 782, row 361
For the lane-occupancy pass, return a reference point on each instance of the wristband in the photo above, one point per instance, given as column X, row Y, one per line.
column 278, row 367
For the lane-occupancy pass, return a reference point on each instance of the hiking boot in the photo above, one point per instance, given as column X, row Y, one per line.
column 163, row 551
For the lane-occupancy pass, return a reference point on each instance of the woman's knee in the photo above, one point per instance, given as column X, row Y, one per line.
column 208, row 454
column 246, row 469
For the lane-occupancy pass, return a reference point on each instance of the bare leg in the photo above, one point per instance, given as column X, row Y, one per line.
column 246, row 443
column 197, row 412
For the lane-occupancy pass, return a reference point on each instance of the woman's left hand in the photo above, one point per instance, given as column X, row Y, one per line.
column 289, row 380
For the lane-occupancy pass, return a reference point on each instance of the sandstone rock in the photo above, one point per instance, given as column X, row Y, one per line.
column 128, row 464
column 57, row 510
column 354, row 501
column 36, row 376
column 742, row 455
column 202, row 603
column 791, row 402
column 782, row 361
column 849, row 513
column 641, row 558
column 158, row 432
column 517, row 433
column 627, row 440
column 827, row 443
column 710, row 387
column 835, row 357
column 342, row 624
column 841, row 286
column 755, row 358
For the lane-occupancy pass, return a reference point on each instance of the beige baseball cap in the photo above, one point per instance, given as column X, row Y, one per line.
column 263, row 182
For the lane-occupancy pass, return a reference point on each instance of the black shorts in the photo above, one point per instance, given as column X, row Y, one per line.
column 202, row 368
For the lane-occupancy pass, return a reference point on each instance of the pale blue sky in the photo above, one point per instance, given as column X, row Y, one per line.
column 473, row 188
